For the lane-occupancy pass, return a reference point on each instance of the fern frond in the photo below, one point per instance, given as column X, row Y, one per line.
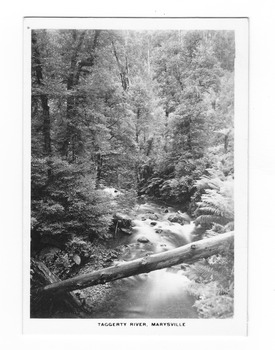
column 210, row 210
column 210, row 219
column 216, row 228
column 203, row 273
column 207, row 183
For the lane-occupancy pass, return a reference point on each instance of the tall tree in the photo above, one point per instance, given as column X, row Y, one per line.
column 78, row 61
column 38, row 86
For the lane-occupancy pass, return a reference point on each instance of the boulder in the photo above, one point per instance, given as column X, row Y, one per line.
column 126, row 231
column 143, row 239
column 153, row 217
column 123, row 220
column 181, row 218
column 175, row 218
column 153, row 223
column 159, row 230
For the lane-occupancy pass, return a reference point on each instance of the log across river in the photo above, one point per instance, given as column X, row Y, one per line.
column 134, row 290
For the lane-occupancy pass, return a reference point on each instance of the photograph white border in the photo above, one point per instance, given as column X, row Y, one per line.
column 235, row 326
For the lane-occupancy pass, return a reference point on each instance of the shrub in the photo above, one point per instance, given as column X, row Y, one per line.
column 213, row 285
column 65, row 202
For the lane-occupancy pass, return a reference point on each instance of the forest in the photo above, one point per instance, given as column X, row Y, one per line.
column 132, row 145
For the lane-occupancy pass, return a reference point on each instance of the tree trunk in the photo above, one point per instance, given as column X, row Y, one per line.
column 123, row 70
column 72, row 136
column 166, row 131
column 226, row 139
column 189, row 137
column 148, row 56
column 69, row 146
column 99, row 163
column 46, row 125
column 43, row 97
column 185, row 254
column 137, row 127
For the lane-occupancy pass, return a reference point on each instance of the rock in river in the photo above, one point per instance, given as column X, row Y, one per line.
column 122, row 220
column 181, row 218
column 126, row 231
column 153, row 217
column 143, row 239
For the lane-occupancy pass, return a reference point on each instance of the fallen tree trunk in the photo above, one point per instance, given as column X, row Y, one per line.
column 186, row 254
column 70, row 300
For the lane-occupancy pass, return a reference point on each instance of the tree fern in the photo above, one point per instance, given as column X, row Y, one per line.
column 216, row 205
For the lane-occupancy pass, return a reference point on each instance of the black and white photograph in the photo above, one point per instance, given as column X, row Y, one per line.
column 136, row 174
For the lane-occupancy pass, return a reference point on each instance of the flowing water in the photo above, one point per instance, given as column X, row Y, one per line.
column 158, row 294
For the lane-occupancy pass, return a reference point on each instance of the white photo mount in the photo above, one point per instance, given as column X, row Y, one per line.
column 238, row 324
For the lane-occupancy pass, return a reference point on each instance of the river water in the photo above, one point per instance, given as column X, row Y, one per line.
column 158, row 294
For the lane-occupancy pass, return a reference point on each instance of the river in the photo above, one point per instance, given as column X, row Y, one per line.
column 158, row 294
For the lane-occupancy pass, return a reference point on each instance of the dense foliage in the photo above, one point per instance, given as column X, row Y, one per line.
column 213, row 285
column 146, row 112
